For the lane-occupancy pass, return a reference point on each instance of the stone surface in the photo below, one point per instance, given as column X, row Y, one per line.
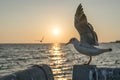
column 91, row 72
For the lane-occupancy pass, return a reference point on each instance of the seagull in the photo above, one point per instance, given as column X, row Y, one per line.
column 88, row 37
column 40, row 40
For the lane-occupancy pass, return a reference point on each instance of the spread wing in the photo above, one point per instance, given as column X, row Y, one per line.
column 85, row 29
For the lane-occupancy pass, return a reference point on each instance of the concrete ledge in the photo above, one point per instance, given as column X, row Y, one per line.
column 80, row 72
column 91, row 72
column 36, row 72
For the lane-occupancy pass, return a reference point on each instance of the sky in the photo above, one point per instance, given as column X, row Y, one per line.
column 27, row 21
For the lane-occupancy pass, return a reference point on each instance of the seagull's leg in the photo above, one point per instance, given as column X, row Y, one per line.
column 89, row 60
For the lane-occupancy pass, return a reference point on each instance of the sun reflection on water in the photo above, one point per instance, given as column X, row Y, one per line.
column 57, row 64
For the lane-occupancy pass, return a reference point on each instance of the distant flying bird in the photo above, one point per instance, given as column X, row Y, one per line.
column 41, row 39
column 88, row 37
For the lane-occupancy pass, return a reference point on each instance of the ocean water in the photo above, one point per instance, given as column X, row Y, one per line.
column 61, row 58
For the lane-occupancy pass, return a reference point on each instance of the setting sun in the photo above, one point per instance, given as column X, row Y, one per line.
column 56, row 31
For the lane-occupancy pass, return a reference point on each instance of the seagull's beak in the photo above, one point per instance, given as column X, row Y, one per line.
column 67, row 43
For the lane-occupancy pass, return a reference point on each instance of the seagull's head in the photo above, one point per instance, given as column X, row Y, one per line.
column 72, row 41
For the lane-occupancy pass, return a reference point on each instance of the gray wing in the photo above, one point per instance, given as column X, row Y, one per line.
column 85, row 29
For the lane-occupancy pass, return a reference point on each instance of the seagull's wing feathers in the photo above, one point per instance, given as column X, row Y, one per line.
column 85, row 29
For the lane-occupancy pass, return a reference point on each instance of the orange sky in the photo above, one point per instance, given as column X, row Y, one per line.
column 26, row 21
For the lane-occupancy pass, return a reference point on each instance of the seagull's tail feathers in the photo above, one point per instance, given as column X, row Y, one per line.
column 110, row 49
column 107, row 50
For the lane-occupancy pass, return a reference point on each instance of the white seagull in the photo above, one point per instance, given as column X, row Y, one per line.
column 88, row 37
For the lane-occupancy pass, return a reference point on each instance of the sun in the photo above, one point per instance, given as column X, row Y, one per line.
column 56, row 31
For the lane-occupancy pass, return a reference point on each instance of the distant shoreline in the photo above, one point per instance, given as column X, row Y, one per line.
column 117, row 41
column 32, row 43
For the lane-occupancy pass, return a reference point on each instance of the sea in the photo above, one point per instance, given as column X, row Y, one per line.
column 60, row 57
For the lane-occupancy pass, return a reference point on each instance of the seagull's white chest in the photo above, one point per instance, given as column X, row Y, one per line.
column 86, row 50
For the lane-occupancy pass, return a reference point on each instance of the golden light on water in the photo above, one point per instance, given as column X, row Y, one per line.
column 58, row 62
